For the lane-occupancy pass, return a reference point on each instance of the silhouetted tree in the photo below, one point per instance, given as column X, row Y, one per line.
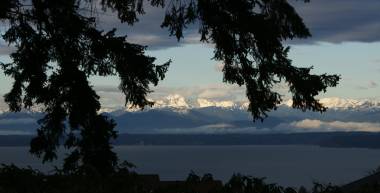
column 302, row 190
column 58, row 48
column 248, row 37
column 320, row 188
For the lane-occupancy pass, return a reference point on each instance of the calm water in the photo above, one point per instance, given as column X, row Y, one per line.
column 286, row 165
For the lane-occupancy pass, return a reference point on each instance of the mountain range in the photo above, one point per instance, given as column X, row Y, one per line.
column 176, row 101
column 175, row 114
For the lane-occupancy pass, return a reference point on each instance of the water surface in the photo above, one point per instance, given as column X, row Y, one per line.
column 286, row 165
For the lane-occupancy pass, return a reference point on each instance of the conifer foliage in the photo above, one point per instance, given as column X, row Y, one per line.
column 58, row 47
column 57, row 50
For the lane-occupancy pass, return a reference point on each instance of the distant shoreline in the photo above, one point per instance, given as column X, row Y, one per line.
column 325, row 139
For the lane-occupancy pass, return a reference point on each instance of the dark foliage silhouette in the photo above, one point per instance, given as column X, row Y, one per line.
column 248, row 37
column 21, row 180
column 58, row 48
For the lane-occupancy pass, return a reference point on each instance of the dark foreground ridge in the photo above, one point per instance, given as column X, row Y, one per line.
column 27, row 180
column 21, row 180
column 331, row 139
column 369, row 183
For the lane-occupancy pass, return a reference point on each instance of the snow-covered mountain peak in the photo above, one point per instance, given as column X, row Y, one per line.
column 182, row 104
column 342, row 103
column 208, row 103
column 173, row 101
column 336, row 102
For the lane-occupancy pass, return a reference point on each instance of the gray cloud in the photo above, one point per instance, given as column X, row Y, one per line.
column 4, row 48
column 333, row 21
column 147, row 31
column 376, row 61
column 370, row 85
column 338, row 21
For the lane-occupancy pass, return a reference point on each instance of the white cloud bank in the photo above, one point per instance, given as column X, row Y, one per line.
column 312, row 125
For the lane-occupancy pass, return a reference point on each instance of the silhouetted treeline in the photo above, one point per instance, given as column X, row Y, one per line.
column 27, row 180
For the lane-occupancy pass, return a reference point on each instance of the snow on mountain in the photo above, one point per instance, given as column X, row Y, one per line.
column 172, row 101
column 346, row 104
column 181, row 104
column 178, row 112
column 208, row 103
column 177, row 101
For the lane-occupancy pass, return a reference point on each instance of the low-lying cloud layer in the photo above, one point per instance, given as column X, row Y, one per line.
column 18, row 121
column 207, row 129
column 313, row 125
column 304, row 126
column 219, row 120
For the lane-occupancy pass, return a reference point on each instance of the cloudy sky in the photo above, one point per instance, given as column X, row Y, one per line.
column 346, row 41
